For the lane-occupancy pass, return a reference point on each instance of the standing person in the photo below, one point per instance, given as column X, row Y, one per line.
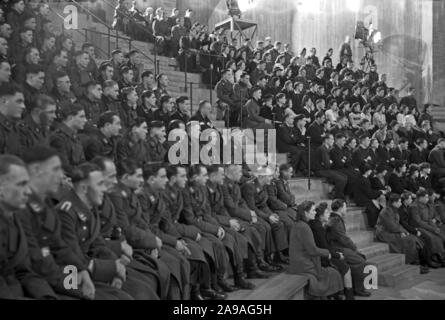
column 339, row 241
column 346, row 50
column 389, row 230
column 305, row 256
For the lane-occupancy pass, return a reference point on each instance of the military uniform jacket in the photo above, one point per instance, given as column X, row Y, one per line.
column 283, row 192
column 92, row 109
column 9, row 137
column 109, row 227
column 336, row 233
column 272, row 197
column 81, row 231
column 16, row 275
column 99, row 145
column 339, row 158
column 233, row 201
column 200, row 214
column 108, row 104
column 47, row 250
column 173, row 222
column 69, row 146
column 156, row 150
column 256, row 198
column 127, row 148
column 216, row 200
column 419, row 217
column 224, row 92
column 133, row 223
column 31, row 133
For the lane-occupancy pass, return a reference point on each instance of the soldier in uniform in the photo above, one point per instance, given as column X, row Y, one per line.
column 66, row 140
column 78, row 211
column 49, row 254
column 62, row 92
column 220, row 217
column 255, row 195
column 110, row 97
column 156, row 142
column 183, row 109
column 287, row 214
column 103, row 142
column 282, row 184
column 90, row 101
column 165, row 111
column 133, row 145
column 79, row 74
column 201, row 216
column 202, row 116
column 12, row 105
column 35, row 127
column 224, row 92
column 17, row 280
column 260, row 232
column 199, row 247
column 122, row 205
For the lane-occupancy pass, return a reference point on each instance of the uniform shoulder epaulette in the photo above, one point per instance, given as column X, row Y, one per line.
column 66, row 206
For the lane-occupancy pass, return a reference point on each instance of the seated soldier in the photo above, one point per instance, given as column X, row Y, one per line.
column 49, row 254
column 79, row 217
column 178, row 207
column 133, row 145
column 17, row 280
column 340, row 242
column 322, row 163
column 103, row 141
column 255, row 195
column 156, row 142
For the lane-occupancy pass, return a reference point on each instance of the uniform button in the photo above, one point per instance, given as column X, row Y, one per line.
column 83, row 239
column 84, row 228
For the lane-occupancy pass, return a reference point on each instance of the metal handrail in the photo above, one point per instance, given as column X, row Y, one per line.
column 76, row 30
column 154, row 59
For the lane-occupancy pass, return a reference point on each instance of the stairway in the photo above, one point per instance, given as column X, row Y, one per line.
column 391, row 267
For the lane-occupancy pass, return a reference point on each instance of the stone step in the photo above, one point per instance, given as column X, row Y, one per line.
column 374, row 249
column 356, row 216
column 353, row 226
column 362, row 238
column 397, row 275
column 387, row 261
column 279, row 287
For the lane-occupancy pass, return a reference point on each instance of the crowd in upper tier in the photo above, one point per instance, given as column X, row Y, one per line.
column 85, row 180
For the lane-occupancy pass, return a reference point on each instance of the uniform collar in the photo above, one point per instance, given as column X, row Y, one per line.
column 68, row 131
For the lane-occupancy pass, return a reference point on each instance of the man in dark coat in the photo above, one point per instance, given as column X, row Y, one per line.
column 66, row 140
column 17, row 280
column 81, row 231
column 322, row 166
column 437, row 160
column 11, row 109
column 49, row 254
column 255, row 195
column 340, row 242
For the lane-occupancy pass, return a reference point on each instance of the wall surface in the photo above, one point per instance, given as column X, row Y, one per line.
column 406, row 27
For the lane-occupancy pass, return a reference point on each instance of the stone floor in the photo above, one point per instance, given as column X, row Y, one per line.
column 430, row 286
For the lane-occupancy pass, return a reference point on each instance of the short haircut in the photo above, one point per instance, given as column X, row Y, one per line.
column 106, row 117
column 393, row 197
column 147, row 94
column 33, row 69
column 337, row 204
column 42, row 101
column 152, row 170
column 109, row 84
column 164, row 98
column 156, row 124
column 72, row 110
column 8, row 89
column 421, row 193
column 202, row 103
column 87, row 45
column 182, row 99
column 8, row 160
column 285, row 167
column 127, row 166
column 101, row 162
column 82, row 172
column 424, row 165
column 137, row 122
column 214, row 168
column 38, row 153
column 146, row 74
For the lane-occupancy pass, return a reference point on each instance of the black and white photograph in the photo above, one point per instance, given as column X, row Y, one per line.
column 237, row 152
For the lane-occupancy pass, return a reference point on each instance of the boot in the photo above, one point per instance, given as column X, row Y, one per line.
column 224, row 286
column 195, row 294
column 253, row 272
column 242, row 283
column 349, row 294
column 424, row 269
column 264, row 266
column 279, row 258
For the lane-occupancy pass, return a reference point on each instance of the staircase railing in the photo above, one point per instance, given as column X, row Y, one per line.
column 143, row 29
column 97, row 48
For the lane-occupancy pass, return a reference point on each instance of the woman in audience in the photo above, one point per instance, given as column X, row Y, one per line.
column 397, row 179
column 379, row 117
column 355, row 117
column 305, row 256
column 390, row 231
column 413, row 178
column 318, row 227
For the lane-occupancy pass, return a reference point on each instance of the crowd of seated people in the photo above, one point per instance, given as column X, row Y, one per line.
column 85, row 180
